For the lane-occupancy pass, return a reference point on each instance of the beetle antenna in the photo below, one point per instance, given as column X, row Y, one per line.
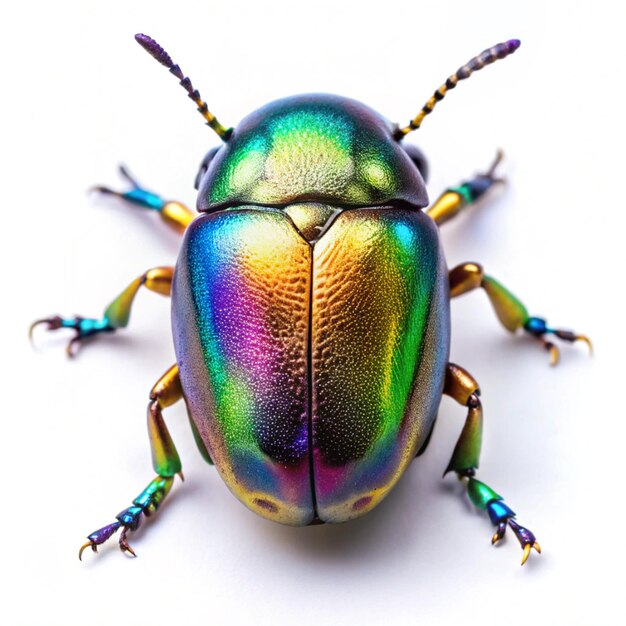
column 486, row 57
column 154, row 49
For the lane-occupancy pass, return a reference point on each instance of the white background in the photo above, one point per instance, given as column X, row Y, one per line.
column 79, row 96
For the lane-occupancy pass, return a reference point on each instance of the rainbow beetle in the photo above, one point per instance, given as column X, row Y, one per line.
column 310, row 307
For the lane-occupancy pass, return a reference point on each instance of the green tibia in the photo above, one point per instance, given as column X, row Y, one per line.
column 481, row 494
column 165, row 459
column 510, row 311
column 467, row 450
column 118, row 312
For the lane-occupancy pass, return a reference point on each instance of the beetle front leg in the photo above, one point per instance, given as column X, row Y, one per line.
column 463, row 388
column 174, row 214
column 512, row 314
column 455, row 199
column 116, row 315
column 165, row 461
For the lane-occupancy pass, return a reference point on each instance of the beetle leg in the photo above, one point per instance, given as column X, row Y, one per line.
column 173, row 213
column 131, row 518
column 116, row 315
column 454, row 199
column 166, row 391
column 165, row 461
column 512, row 314
column 463, row 388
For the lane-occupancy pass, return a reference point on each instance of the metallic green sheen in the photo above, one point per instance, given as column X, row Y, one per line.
column 466, row 453
column 314, row 147
column 481, row 494
column 151, row 497
column 379, row 346
column 464, row 191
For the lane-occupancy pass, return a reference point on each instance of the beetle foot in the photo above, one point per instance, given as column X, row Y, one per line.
column 131, row 518
column 137, row 195
column 490, row 173
column 526, row 539
column 98, row 537
column 82, row 326
column 128, row 519
column 538, row 328
column 501, row 515
column 124, row 546
column 480, row 184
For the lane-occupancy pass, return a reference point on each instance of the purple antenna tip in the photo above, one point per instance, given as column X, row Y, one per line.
column 154, row 49
column 514, row 44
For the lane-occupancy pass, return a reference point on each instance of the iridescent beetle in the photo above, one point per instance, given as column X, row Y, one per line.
column 310, row 307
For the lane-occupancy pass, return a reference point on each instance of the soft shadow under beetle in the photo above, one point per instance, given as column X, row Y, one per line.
column 310, row 307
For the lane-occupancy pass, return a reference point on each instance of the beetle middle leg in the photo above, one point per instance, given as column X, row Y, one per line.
column 462, row 387
column 173, row 213
column 165, row 461
column 512, row 314
column 116, row 315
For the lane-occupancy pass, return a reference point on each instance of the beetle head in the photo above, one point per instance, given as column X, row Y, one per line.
column 315, row 147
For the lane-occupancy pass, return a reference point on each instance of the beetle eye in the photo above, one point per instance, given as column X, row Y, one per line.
column 204, row 166
column 417, row 156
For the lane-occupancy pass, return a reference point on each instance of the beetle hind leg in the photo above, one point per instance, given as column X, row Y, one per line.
column 116, row 315
column 165, row 461
column 463, row 388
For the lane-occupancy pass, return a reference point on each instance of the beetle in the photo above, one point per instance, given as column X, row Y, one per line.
column 311, row 313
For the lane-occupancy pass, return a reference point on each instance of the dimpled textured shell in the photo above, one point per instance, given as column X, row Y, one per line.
column 379, row 346
column 314, row 147
column 312, row 372
column 241, row 300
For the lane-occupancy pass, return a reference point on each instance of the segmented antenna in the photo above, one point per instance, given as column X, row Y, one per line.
column 486, row 57
column 154, row 49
